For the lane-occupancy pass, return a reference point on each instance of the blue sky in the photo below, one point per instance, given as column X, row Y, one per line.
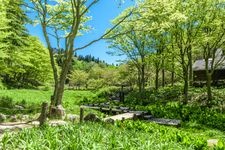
column 102, row 13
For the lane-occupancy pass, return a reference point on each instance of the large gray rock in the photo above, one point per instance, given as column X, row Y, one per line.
column 92, row 117
column 2, row 117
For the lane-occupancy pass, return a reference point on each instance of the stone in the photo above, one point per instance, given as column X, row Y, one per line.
column 2, row 117
column 55, row 123
column 110, row 120
column 13, row 118
column 25, row 117
column 72, row 117
column 19, row 107
column 212, row 142
column 58, row 112
column 92, row 117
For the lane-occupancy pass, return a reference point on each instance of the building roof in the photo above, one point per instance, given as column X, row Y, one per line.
column 200, row 64
column 219, row 62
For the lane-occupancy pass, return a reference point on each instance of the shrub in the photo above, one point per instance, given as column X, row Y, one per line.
column 207, row 116
column 137, row 98
column 2, row 86
column 106, row 91
column 170, row 93
column 6, row 102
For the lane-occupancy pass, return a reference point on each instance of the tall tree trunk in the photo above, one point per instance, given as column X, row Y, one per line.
column 208, row 80
column 163, row 73
column 172, row 78
column 173, row 72
column 185, row 78
column 64, row 72
column 185, row 89
column 209, row 89
column 53, row 65
column 163, row 77
column 190, row 66
column 139, row 80
column 157, row 78
column 143, row 77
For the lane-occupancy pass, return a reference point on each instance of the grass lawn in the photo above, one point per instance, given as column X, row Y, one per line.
column 38, row 96
column 71, row 98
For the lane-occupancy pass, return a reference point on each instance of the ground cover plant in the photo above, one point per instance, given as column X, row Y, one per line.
column 127, row 135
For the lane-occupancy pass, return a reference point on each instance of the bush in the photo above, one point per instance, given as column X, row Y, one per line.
column 2, row 86
column 137, row 98
column 206, row 116
column 106, row 91
column 6, row 102
column 170, row 93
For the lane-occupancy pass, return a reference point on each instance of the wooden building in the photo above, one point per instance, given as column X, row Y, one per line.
column 199, row 72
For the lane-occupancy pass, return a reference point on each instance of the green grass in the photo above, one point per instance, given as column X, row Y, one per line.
column 34, row 98
column 38, row 96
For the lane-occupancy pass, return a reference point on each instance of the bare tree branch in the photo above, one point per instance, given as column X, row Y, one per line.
column 88, row 7
column 109, row 31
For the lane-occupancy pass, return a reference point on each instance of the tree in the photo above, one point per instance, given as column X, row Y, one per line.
column 16, row 39
column 68, row 17
column 132, row 43
column 37, row 69
column 180, row 20
column 3, row 35
column 79, row 78
column 212, row 38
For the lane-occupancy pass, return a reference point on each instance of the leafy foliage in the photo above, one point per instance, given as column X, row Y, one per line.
column 128, row 135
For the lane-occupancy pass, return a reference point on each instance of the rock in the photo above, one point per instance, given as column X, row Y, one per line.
column 2, row 117
column 25, row 117
column 19, row 107
column 92, row 117
column 58, row 112
column 13, row 118
column 212, row 142
column 72, row 117
column 110, row 120
column 55, row 123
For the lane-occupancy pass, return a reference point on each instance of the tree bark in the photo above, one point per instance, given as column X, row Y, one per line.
column 157, row 78
column 172, row 78
column 209, row 89
column 173, row 72
column 185, row 78
column 190, row 66
column 139, row 80
column 53, row 64
column 185, row 89
column 163, row 77
column 208, row 80
column 143, row 77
